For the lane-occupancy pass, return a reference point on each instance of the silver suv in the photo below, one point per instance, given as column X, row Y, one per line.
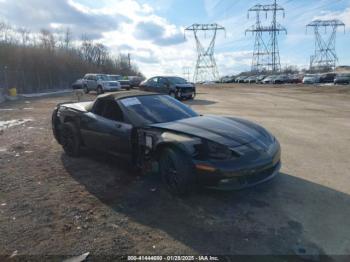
column 100, row 83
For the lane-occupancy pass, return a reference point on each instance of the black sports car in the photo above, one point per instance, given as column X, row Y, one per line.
column 155, row 130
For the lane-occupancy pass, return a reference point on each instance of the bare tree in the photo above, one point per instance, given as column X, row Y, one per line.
column 42, row 60
column 24, row 35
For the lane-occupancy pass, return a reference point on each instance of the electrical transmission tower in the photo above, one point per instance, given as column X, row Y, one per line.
column 206, row 68
column 266, row 56
column 325, row 57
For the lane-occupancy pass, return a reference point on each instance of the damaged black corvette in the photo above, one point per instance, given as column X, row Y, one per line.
column 157, row 131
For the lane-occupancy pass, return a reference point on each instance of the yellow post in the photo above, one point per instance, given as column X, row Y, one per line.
column 13, row 91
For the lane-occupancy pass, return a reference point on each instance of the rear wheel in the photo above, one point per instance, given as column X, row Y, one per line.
column 176, row 171
column 70, row 139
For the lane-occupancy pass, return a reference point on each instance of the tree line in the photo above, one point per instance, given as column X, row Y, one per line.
column 36, row 61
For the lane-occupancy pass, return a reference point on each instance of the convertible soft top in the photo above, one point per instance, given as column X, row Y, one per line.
column 126, row 94
column 119, row 95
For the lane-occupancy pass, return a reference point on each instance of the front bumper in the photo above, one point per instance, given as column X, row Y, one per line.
column 187, row 93
column 112, row 88
column 235, row 176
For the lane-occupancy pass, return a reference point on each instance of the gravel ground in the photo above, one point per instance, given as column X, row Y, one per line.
column 51, row 204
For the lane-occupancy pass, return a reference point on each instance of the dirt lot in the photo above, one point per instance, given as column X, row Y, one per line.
column 51, row 204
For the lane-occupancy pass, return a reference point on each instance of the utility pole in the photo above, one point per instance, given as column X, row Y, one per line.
column 325, row 56
column 266, row 56
column 206, row 68
column 186, row 72
column 129, row 60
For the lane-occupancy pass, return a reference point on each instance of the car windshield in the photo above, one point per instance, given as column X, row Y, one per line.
column 115, row 77
column 177, row 80
column 153, row 109
column 103, row 77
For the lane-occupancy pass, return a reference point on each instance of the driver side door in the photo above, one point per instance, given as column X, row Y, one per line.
column 104, row 129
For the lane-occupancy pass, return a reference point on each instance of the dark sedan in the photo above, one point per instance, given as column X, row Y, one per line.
column 174, row 86
column 78, row 84
column 327, row 78
column 186, row 148
column 342, row 79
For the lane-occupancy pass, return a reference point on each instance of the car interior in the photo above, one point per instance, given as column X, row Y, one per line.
column 109, row 109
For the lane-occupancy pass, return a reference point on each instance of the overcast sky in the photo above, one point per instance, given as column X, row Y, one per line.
column 153, row 31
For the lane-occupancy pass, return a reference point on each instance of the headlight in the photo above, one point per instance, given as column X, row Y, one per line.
column 217, row 151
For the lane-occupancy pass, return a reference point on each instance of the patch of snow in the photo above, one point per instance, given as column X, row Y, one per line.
column 12, row 123
column 6, row 109
column 28, row 108
column 46, row 94
column 2, row 149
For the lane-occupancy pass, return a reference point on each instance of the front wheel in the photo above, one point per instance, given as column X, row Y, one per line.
column 70, row 139
column 86, row 90
column 176, row 171
column 99, row 90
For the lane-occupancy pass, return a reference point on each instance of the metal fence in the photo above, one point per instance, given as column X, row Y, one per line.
column 35, row 82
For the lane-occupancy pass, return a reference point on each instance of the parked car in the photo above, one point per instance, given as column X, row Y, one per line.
column 184, row 147
column 296, row 79
column 209, row 82
column 125, row 83
column 342, row 79
column 228, row 79
column 135, row 81
column 174, row 86
column 100, row 83
column 311, row 79
column 78, row 84
column 250, row 80
column 327, row 78
column 260, row 78
column 269, row 79
column 281, row 79
column 240, row 79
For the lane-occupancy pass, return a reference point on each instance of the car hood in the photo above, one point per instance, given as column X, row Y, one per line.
column 228, row 131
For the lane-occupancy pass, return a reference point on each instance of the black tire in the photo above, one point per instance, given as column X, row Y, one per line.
column 86, row 90
column 176, row 171
column 70, row 139
column 56, row 126
column 99, row 90
column 192, row 96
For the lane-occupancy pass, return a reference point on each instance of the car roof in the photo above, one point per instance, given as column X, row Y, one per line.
column 120, row 95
